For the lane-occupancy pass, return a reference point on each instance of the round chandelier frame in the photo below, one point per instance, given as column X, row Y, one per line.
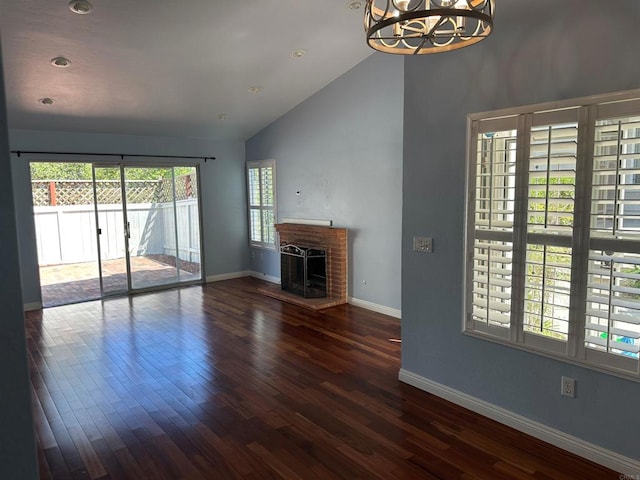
column 418, row 27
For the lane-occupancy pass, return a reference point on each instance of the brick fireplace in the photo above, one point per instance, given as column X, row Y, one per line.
column 334, row 242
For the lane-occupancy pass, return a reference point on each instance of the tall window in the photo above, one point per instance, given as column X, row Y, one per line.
column 261, row 187
column 553, row 230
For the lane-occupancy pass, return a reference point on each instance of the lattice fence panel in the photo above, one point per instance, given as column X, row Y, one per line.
column 80, row 192
column 66, row 193
column 74, row 193
column 144, row 191
column 40, row 192
column 186, row 188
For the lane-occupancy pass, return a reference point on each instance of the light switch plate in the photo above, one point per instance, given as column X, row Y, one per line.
column 423, row 244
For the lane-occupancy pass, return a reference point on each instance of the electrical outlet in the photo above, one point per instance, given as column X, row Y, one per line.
column 568, row 387
column 423, row 244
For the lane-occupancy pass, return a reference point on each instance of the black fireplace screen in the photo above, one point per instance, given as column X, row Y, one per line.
column 303, row 270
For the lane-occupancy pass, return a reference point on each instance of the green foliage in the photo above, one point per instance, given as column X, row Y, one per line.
column 548, row 269
column 82, row 171
column 559, row 212
column 60, row 171
column 630, row 282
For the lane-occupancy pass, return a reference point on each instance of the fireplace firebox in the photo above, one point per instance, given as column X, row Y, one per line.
column 303, row 270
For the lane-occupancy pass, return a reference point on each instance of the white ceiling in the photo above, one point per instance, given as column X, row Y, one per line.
column 172, row 67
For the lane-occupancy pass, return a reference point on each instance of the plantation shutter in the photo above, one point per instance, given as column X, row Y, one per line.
column 553, row 230
column 551, row 189
column 261, row 199
column 255, row 222
column 493, row 207
column 612, row 326
column 268, row 202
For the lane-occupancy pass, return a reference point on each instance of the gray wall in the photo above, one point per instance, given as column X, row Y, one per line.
column 342, row 150
column 540, row 51
column 17, row 439
column 223, row 191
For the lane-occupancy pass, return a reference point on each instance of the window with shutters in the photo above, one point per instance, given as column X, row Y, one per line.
column 553, row 230
column 261, row 190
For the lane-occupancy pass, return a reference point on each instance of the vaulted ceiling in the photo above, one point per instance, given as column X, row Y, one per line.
column 172, row 68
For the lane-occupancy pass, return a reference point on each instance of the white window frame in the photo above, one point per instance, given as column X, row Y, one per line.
column 260, row 207
column 586, row 112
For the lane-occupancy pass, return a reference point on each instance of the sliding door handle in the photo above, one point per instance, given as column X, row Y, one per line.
column 128, row 230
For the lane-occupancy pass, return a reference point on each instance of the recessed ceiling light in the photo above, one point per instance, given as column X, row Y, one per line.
column 60, row 62
column 355, row 5
column 254, row 89
column 298, row 53
column 46, row 101
column 81, row 7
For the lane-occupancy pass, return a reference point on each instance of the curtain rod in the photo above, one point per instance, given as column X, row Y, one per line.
column 121, row 155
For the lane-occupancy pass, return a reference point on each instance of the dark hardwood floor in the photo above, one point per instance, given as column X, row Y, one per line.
column 219, row 381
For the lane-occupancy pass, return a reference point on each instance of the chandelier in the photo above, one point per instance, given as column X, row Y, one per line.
column 416, row 27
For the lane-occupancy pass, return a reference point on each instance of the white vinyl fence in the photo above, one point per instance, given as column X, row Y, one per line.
column 67, row 234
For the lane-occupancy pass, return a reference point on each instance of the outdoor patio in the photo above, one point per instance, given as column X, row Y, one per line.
column 79, row 282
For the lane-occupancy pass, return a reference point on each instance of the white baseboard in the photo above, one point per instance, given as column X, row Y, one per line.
column 264, row 276
column 245, row 273
column 227, row 276
column 28, row 307
column 392, row 312
column 602, row 456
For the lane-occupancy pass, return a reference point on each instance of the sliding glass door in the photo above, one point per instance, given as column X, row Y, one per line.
column 111, row 224
column 65, row 227
column 150, row 233
column 187, row 216
column 150, row 211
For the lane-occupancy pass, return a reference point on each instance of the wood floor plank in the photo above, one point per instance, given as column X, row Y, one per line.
column 221, row 382
column 92, row 463
column 43, row 466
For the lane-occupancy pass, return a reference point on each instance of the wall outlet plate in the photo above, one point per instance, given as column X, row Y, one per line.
column 568, row 387
column 423, row 244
